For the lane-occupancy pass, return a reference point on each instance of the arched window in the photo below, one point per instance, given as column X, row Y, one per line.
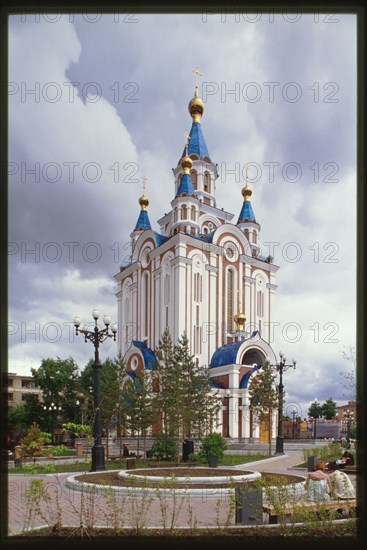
column 175, row 215
column 194, row 178
column 254, row 237
column 145, row 308
column 166, row 289
column 230, row 287
column 247, row 234
column 260, row 303
column 207, row 182
column 184, row 212
column 193, row 213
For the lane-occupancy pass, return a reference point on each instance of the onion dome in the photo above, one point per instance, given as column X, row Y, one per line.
column 143, row 222
column 246, row 214
column 144, row 202
column 196, row 106
column 240, row 320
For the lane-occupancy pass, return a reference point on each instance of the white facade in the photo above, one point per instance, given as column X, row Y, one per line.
column 194, row 276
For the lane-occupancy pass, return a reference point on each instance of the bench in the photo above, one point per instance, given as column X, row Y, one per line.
column 343, row 506
column 351, row 469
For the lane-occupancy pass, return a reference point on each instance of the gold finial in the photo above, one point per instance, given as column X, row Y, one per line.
column 240, row 321
column 143, row 201
column 246, row 191
column 196, row 105
column 186, row 162
column 239, row 318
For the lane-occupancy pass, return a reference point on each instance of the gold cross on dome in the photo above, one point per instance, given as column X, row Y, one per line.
column 197, row 73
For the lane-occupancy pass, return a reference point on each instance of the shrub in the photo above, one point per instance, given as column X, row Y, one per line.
column 58, row 450
column 213, row 445
column 164, row 447
column 327, row 453
column 195, row 457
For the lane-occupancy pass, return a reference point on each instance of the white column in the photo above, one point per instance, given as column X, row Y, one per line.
column 233, row 401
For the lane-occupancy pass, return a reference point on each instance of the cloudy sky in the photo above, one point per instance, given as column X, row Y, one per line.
column 97, row 102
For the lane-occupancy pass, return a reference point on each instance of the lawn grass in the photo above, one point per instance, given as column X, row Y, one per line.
column 59, row 467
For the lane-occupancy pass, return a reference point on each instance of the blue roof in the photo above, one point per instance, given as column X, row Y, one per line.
column 215, row 384
column 246, row 377
column 132, row 374
column 208, row 238
column 160, row 238
column 226, row 355
column 150, row 360
column 186, row 186
column 246, row 214
column 197, row 145
column 143, row 221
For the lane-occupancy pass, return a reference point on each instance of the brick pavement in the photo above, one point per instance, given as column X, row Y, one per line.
column 76, row 508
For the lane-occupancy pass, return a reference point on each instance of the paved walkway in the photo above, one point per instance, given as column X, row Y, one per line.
column 75, row 508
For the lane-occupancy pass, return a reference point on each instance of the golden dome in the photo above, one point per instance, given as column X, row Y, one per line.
column 196, row 107
column 144, row 202
column 186, row 164
column 246, row 192
column 240, row 320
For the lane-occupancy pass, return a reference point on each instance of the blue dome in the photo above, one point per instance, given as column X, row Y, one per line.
column 197, row 145
column 246, row 214
column 143, row 221
column 186, row 187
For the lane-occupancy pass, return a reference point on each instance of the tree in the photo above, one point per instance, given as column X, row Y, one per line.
column 112, row 372
column 59, row 381
column 140, row 412
column 315, row 410
column 34, row 411
column 328, row 409
column 213, row 444
column 32, row 443
column 264, row 398
column 184, row 393
column 162, row 381
column 349, row 376
column 17, row 422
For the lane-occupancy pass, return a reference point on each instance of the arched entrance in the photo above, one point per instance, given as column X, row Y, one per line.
column 253, row 356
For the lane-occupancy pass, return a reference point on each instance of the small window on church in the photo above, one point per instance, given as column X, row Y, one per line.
column 193, row 213
column 207, row 182
column 194, row 178
column 254, row 237
column 184, row 212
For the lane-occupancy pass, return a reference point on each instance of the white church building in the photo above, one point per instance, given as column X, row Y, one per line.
column 201, row 274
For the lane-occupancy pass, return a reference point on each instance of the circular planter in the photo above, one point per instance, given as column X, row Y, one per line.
column 191, row 478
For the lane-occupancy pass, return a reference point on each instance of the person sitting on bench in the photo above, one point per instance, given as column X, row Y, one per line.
column 346, row 459
column 341, row 485
column 318, row 484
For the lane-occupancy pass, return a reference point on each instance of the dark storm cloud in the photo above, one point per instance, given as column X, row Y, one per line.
column 143, row 74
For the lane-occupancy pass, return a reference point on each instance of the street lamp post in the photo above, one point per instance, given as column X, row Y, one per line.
column 281, row 367
column 294, row 411
column 97, row 336
column 316, row 405
column 348, row 415
column 228, row 397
